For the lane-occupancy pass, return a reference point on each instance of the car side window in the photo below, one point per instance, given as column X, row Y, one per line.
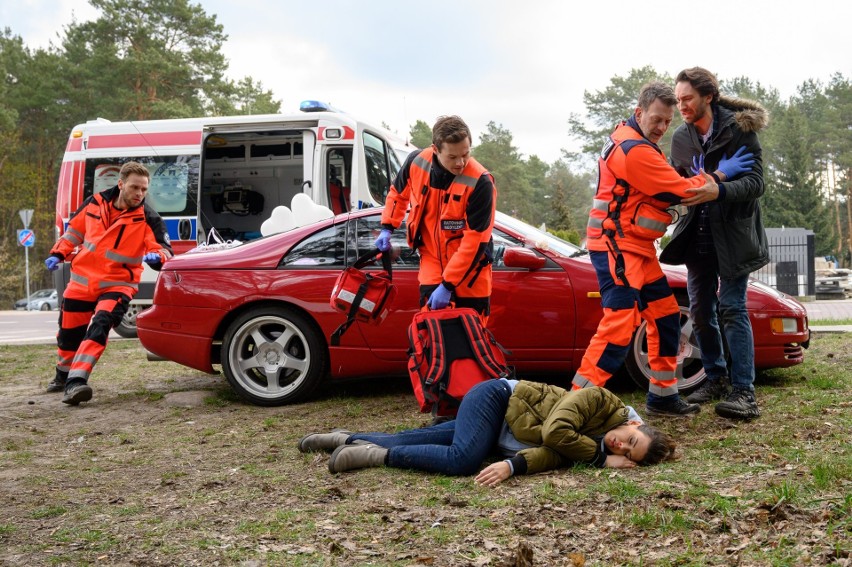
column 326, row 248
column 366, row 230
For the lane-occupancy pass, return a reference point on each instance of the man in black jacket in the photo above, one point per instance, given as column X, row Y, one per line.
column 721, row 238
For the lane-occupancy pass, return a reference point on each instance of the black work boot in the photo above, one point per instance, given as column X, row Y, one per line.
column 350, row 457
column 670, row 406
column 740, row 404
column 324, row 441
column 711, row 389
column 58, row 382
column 77, row 391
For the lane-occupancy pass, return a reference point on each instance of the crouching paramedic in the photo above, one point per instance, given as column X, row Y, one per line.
column 452, row 199
column 116, row 231
column 635, row 186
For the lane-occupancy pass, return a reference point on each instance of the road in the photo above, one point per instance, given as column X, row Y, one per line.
column 39, row 327
column 31, row 327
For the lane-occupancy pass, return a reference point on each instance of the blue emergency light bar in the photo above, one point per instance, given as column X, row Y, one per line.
column 315, row 106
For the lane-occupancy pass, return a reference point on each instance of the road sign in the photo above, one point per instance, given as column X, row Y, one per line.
column 26, row 215
column 26, row 237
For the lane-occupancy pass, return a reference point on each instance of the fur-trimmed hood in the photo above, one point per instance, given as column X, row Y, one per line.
column 749, row 115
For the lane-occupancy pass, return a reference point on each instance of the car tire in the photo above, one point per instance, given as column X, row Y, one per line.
column 690, row 371
column 44, row 306
column 273, row 356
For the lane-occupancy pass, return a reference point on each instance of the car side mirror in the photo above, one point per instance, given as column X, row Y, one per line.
column 516, row 257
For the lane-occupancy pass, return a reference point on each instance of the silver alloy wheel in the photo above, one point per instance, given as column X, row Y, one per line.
column 690, row 371
column 269, row 359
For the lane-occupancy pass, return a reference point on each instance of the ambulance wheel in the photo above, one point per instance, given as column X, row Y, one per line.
column 273, row 356
column 690, row 371
column 127, row 327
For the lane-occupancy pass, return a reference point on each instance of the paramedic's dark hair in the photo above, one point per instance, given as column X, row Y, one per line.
column 450, row 129
column 656, row 91
column 133, row 167
column 701, row 80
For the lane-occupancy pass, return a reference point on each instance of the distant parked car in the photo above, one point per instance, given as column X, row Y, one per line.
column 261, row 311
column 42, row 300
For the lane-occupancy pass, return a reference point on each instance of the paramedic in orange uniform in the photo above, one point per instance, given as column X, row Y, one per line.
column 635, row 187
column 115, row 231
column 452, row 199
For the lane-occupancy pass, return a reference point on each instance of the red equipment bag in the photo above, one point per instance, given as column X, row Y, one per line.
column 450, row 352
column 362, row 296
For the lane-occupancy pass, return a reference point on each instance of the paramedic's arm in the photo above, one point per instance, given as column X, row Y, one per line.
column 74, row 234
column 648, row 171
column 396, row 203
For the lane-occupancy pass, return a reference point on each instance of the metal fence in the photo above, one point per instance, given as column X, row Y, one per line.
column 791, row 264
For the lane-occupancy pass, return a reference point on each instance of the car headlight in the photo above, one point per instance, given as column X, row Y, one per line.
column 783, row 325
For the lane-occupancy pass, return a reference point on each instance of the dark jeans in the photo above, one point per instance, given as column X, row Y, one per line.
column 455, row 447
column 703, row 281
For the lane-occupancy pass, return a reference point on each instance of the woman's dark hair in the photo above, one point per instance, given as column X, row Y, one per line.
column 661, row 448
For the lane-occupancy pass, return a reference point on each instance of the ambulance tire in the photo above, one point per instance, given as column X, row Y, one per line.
column 127, row 327
column 273, row 355
column 690, row 371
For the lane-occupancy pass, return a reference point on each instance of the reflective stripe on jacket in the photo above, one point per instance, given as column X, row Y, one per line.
column 463, row 254
column 635, row 187
column 111, row 255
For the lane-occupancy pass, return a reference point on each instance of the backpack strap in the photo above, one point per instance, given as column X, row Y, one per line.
column 481, row 345
column 353, row 309
column 369, row 255
column 437, row 355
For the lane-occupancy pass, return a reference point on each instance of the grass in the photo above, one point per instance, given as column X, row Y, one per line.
column 829, row 322
column 128, row 478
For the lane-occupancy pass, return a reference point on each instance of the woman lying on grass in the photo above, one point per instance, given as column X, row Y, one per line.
column 538, row 427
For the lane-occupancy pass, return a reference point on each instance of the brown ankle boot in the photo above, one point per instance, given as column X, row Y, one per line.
column 324, row 441
column 350, row 457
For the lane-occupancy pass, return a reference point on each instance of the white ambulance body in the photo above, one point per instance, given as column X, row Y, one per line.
column 229, row 173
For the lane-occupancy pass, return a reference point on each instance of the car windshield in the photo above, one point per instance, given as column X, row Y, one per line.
column 539, row 238
column 42, row 293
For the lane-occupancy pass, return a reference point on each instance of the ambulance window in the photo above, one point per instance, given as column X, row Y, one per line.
column 379, row 171
column 170, row 186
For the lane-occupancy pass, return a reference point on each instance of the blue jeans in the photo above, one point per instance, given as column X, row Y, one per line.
column 455, row 447
column 702, row 283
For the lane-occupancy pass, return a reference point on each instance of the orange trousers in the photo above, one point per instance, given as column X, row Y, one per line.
column 649, row 297
column 85, row 320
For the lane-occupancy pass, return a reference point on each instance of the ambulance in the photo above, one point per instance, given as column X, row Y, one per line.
column 228, row 173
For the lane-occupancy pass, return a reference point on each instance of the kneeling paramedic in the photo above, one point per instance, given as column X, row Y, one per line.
column 636, row 185
column 116, row 231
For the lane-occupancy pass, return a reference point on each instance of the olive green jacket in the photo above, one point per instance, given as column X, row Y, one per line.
column 561, row 423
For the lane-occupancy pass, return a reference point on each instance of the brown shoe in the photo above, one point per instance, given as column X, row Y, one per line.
column 323, row 441
column 351, row 457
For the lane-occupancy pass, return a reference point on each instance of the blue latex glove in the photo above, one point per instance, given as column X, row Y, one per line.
column 151, row 258
column 383, row 241
column 440, row 298
column 697, row 164
column 52, row 263
column 738, row 163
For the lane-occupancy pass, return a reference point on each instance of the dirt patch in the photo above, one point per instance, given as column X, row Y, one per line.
column 166, row 467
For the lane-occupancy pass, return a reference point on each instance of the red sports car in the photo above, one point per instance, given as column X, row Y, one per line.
column 261, row 311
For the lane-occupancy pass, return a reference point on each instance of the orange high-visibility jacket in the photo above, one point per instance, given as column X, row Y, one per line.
column 111, row 255
column 635, row 186
column 464, row 254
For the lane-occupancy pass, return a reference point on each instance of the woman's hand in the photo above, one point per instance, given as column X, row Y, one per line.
column 619, row 462
column 493, row 474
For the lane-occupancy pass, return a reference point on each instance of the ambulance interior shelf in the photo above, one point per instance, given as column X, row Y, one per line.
column 238, row 200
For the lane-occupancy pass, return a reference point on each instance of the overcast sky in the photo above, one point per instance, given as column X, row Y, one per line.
column 523, row 65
